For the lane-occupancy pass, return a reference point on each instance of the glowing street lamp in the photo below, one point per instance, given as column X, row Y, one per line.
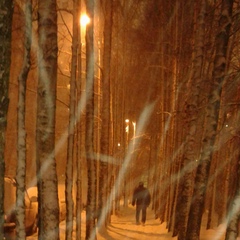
column 84, row 20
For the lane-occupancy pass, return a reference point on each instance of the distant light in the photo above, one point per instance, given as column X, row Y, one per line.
column 226, row 125
column 84, row 20
column 126, row 120
column 119, row 144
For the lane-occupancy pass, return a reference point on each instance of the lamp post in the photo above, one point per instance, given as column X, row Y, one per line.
column 125, row 156
column 133, row 155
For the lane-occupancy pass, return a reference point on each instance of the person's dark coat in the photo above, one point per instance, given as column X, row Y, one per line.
column 141, row 196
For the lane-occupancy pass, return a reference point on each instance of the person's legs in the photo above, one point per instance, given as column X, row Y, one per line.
column 138, row 209
column 144, row 214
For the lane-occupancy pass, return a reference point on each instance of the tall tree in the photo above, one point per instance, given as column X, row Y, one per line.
column 191, row 121
column 89, row 138
column 72, row 120
column 79, row 135
column 21, row 140
column 48, row 208
column 6, row 13
column 105, row 136
column 212, row 114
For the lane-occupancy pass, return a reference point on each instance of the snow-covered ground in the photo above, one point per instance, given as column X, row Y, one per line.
column 123, row 227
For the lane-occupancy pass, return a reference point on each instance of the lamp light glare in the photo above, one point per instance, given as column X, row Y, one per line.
column 84, row 20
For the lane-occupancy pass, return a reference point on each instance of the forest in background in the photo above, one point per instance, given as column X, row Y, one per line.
column 147, row 90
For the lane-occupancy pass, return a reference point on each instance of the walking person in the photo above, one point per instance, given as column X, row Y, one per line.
column 142, row 199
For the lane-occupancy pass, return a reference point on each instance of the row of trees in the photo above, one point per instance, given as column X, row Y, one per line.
column 170, row 66
column 194, row 153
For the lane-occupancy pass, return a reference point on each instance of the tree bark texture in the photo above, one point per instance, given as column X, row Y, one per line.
column 48, row 207
column 6, row 13
column 105, row 129
column 190, row 119
column 72, row 120
column 89, row 137
column 21, row 164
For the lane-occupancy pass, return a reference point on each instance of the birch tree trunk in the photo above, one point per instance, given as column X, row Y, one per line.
column 89, row 138
column 72, row 119
column 6, row 9
column 21, row 140
column 105, row 136
column 48, row 207
column 212, row 113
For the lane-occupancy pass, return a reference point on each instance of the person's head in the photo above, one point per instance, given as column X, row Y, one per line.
column 141, row 184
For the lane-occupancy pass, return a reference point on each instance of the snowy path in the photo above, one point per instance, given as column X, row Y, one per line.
column 124, row 227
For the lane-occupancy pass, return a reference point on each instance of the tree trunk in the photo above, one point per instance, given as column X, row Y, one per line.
column 79, row 137
column 48, row 207
column 89, row 138
column 6, row 9
column 191, row 121
column 21, row 140
column 105, row 136
column 212, row 113
column 72, row 120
